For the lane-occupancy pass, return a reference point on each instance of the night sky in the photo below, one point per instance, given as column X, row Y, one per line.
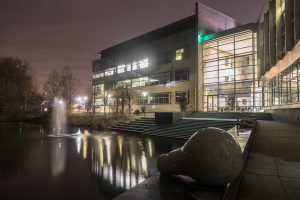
column 51, row 34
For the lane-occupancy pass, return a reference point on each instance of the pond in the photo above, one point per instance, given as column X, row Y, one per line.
column 88, row 165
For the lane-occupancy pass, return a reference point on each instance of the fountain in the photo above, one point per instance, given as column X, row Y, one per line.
column 58, row 119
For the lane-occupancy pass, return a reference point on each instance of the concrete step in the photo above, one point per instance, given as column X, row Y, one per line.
column 231, row 115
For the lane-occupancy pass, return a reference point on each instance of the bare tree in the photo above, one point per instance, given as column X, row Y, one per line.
column 61, row 84
column 16, row 84
column 68, row 83
column 52, row 86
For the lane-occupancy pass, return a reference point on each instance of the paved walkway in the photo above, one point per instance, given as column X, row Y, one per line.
column 273, row 166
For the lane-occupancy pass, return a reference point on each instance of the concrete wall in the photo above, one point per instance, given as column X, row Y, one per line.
column 285, row 114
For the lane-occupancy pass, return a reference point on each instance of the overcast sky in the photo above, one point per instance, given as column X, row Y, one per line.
column 53, row 33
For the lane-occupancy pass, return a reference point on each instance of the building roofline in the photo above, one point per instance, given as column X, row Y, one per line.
column 172, row 28
column 250, row 26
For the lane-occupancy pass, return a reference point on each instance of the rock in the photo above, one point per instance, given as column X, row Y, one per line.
column 211, row 157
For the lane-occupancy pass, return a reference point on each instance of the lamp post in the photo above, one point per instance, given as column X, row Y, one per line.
column 144, row 94
column 108, row 101
column 85, row 103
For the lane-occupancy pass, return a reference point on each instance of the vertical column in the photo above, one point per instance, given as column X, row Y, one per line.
column 297, row 19
column 260, row 55
column 272, row 35
column 288, row 21
column 279, row 47
column 266, row 42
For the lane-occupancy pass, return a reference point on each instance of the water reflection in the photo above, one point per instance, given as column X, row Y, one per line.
column 112, row 162
column 58, row 156
column 120, row 161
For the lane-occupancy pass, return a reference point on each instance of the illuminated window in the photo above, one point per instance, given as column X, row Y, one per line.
column 121, row 69
column 128, row 67
column 124, row 83
column 137, row 82
column 141, row 99
column 98, row 74
column 110, row 71
column 135, row 65
column 160, row 98
column 99, row 89
column 161, row 78
column 179, row 54
column 140, row 64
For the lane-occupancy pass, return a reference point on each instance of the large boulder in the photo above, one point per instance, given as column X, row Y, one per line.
column 211, row 157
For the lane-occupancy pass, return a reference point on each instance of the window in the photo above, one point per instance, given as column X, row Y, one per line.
column 181, row 75
column 110, row 85
column 143, row 63
column 164, row 57
column 121, row 69
column 162, row 78
column 128, row 67
column 179, row 54
column 182, row 97
column 160, row 98
column 98, row 74
column 142, row 100
column 137, row 82
column 110, row 71
column 124, row 83
column 99, row 89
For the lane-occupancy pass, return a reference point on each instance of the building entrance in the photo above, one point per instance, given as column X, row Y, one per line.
column 212, row 103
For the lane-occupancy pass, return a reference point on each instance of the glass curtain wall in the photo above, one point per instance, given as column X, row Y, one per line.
column 284, row 88
column 230, row 73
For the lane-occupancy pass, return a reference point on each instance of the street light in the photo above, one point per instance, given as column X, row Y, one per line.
column 144, row 100
column 108, row 101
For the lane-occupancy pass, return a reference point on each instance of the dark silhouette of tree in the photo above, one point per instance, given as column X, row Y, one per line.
column 16, row 85
column 62, row 84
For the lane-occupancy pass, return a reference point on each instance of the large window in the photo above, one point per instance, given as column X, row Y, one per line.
column 161, row 78
column 230, row 73
column 124, row 83
column 110, row 85
column 137, row 82
column 110, row 71
column 142, row 100
column 182, row 75
column 140, row 64
column 99, row 74
column 284, row 88
column 121, row 69
column 160, row 98
column 99, row 89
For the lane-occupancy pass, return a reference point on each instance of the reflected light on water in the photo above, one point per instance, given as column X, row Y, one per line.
column 119, row 161
column 85, row 147
column 58, row 157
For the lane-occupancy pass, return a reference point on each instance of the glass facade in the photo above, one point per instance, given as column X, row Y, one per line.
column 229, row 65
column 284, row 88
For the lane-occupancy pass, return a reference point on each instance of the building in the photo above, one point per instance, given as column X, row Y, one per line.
column 153, row 70
column 279, row 53
column 211, row 62
column 158, row 70
column 228, row 71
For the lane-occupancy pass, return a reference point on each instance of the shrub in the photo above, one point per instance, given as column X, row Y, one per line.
column 137, row 112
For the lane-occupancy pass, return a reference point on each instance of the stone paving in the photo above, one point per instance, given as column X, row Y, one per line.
column 273, row 166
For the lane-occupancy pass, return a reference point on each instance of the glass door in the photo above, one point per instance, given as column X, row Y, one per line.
column 212, row 103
